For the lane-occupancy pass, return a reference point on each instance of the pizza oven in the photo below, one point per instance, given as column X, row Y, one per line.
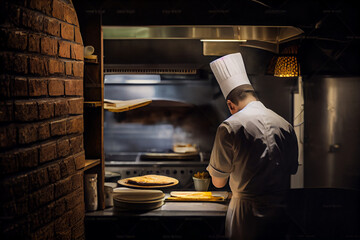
column 183, row 113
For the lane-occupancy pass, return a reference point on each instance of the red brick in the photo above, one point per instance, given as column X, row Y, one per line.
column 56, row 66
column 32, row 20
column 7, row 136
column 79, row 88
column 75, row 198
column 45, row 232
column 77, row 180
column 79, row 160
column 70, row 87
column 61, row 107
column 76, row 144
column 75, row 125
column 43, row 6
column 67, row 166
column 70, row 15
column 54, row 173
column 34, row 43
column 68, row 68
column 63, row 187
column 5, row 65
column 78, row 69
column 47, row 152
column 76, row 105
column 39, row 66
column 67, row 31
column 46, row 109
column 14, row 14
column 78, row 214
column 27, row 157
column 41, row 218
column 8, row 163
column 19, row 186
column 52, row 26
column 37, row 87
column 15, row 208
column 5, row 85
column 58, row 127
column 26, row 110
column 43, row 131
column 58, row 9
column 60, row 207
column 17, row 40
column 78, row 37
column 77, row 51
column 41, row 197
column 65, row 234
column 6, row 111
column 27, row 133
column 49, row 46
column 56, row 87
column 20, row 88
column 19, row 63
column 38, row 179
column 78, row 230
column 63, row 147
column 62, row 224
column 64, row 49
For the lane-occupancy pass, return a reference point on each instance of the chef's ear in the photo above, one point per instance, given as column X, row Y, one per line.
column 230, row 105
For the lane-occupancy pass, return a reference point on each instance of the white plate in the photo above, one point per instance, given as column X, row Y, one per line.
column 137, row 195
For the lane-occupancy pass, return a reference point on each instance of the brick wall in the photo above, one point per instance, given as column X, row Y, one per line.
column 41, row 121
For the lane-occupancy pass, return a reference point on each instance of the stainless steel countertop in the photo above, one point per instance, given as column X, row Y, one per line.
column 171, row 209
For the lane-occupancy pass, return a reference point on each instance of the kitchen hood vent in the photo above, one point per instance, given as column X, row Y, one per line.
column 228, row 38
column 150, row 69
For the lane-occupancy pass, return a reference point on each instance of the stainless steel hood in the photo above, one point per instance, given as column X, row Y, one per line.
column 217, row 40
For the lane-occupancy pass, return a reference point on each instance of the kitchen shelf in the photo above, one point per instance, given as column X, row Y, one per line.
column 92, row 103
column 90, row 62
column 90, row 163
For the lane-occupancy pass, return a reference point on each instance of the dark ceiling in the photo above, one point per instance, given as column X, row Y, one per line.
column 330, row 45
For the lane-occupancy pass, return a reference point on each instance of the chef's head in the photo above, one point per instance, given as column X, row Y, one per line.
column 230, row 73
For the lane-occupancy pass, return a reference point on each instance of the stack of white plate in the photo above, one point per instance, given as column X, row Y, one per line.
column 127, row 199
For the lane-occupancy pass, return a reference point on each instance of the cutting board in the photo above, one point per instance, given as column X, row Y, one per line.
column 195, row 196
column 122, row 106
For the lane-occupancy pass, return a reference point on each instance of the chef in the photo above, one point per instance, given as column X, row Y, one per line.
column 256, row 150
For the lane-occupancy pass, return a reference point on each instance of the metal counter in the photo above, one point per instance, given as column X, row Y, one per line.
column 174, row 220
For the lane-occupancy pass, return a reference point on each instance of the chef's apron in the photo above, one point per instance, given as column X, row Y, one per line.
column 250, row 217
column 256, row 149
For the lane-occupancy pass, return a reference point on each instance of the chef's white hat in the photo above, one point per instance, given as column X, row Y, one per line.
column 230, row 72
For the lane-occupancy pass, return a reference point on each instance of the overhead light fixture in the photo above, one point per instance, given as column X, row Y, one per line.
column 286, row 64
column 222, row 40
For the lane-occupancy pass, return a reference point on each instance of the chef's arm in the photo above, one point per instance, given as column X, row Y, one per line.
column 219, row 182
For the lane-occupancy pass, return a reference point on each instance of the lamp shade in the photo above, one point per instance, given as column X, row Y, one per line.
column 287, row 66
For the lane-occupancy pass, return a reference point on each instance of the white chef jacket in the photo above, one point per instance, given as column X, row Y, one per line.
column 258, row 150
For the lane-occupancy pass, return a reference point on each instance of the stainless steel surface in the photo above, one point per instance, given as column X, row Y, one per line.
column 272, row 35
column 172, row 209
column 332, row 133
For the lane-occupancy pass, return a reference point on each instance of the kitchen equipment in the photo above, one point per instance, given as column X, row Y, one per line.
column 331, row 132
column 108, row 192
column 201, row 184
column 91, row 199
